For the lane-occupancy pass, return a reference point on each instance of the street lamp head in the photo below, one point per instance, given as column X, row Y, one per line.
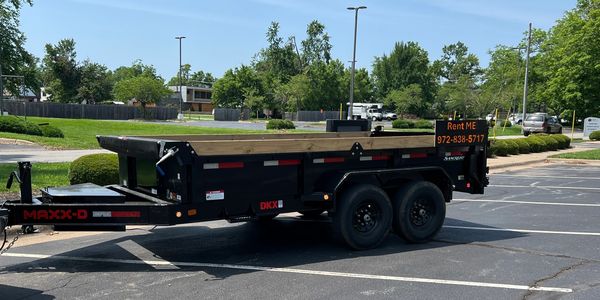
column 179, row 37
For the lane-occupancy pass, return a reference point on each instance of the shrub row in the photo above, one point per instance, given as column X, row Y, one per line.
column 403, row 123
column 595, row 135
column 280, row 124
column 532, row 144
column 17, row 125
column 101, row 169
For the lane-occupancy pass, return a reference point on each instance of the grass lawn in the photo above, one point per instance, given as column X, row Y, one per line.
column 590, row 154
column 513, row 130
column 81, row 133
column 42, row 175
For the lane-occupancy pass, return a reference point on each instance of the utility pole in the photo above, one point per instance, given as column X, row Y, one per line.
column 356, row 9
column 180, row 115
column 526, row 87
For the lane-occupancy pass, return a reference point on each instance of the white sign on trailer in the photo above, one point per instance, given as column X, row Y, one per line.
column 590, row 125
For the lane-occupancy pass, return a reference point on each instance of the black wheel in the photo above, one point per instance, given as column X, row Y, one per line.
column 526, row 133
column 312, row 213
column 560, row 130
column 363, row 216
column 419, row 211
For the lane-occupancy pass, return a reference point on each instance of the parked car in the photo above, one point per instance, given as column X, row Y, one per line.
column 516, row 119
column 390, row 116
column 542, row 123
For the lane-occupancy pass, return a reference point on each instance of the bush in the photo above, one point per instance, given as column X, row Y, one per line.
column 595, row 135
column 562, row 140
column 492, row 151
column 513, row 147
column 523, row 146
column 17, row 125
column 101, row 169
column 401, row 123
column 505, row 123
column 51, row 131
column 424, row 124
column 280, row 124
column 500, row 148
column 551, row 144
column 536, row 144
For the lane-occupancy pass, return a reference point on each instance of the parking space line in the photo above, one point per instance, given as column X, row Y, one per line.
column 301, row 271
column 547, row 176
column 144, row 254
column 530, row 202
column 524, row 230
column 545, row 187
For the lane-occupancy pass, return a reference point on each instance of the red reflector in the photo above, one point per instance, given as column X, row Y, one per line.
column 289, row 162
column 468, row 185
column 381, row 157
column 418, row 155
column 125, row 214
column 456, row 153
column 231, row 165
column 333, row 160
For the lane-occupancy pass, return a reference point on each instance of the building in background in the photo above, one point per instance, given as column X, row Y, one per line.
column 195, row 98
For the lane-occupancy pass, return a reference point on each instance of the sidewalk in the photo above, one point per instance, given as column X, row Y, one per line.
column 500, row 162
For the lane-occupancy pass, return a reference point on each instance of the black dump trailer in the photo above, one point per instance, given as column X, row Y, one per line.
column 367, row 182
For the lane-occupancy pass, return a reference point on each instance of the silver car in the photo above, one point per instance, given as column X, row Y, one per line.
column 541, row 123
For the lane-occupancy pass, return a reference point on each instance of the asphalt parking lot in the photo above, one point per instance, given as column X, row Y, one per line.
column 535, row 234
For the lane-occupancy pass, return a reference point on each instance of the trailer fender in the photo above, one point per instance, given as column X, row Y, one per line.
column 392, row 179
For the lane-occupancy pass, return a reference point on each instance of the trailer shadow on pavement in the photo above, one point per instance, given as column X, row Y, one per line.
column 285, row 242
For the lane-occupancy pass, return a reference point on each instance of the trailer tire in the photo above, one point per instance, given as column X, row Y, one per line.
column 363, row 216
column 419, row 211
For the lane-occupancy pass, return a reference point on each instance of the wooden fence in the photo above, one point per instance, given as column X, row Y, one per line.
column 314, row 116
column 87, row 111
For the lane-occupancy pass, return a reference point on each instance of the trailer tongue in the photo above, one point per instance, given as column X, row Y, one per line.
column 368, row 182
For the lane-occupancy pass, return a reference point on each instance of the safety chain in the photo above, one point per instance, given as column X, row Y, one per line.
column 2, row 251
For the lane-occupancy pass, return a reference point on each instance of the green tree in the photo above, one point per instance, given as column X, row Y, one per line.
column 325, row 82
column 457, row 62
column 460, row 75
column 144, row 89
column 406, row 64
column 316, row 47
column 503, row 80
column 294, row 92
column 363, row 87
column 14, row 58
column 235, row 86
column 95, row 84
column 408, row 101
column 137, row 68
column 279, row 58
column 191, row 79
column 571, row 61
column 62, row 71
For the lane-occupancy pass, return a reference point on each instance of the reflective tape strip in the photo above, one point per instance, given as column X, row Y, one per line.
column 414, row 155
column 328, row 160
column 224, row 165
column 455, row 153
column 282, row 162
column 375, row 157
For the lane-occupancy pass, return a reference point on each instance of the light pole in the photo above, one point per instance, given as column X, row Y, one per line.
column 180, row 115
column 355, row 9
column 526, row 87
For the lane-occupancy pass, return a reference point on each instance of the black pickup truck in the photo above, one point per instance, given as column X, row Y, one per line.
column 366, row 181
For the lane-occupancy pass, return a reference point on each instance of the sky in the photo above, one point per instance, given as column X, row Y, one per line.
column 225, row 34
